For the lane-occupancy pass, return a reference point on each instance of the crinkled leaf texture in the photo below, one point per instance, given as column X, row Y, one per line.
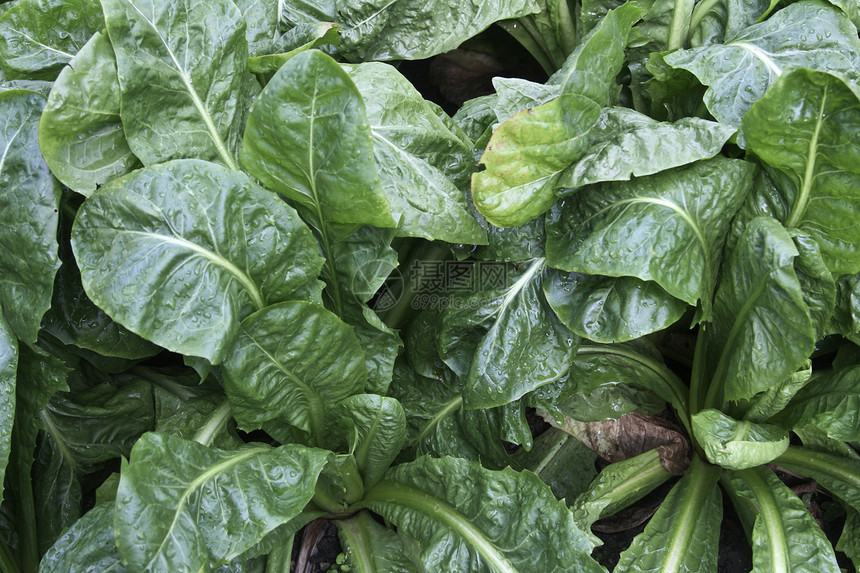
column 308, row 138
column 806, row 126
column 181, row 68
column 469, row 519
column 374, row 429
column 785, row 536
column 414, row 29
column 80, row 132
column 28, row 216
column 645, row 228
column 421, row 161
column 735, row 444
column 206, row 505
column 808, row 34
column 830, row 402
column 86, row 546
column 38, row 37
column 292, row 360
column 762, row 331
column 196, row 247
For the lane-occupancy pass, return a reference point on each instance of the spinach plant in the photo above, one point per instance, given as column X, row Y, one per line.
column 253, row 280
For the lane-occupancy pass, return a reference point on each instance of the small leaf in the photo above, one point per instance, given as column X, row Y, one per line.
column 830, row 402
column 737, row 445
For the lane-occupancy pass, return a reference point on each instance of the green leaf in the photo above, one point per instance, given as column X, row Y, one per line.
column 80, row 133
column 785, row 536
column 511, row 523
column 551, row 458
column 198, row 247
column 626, row 144
column 737, row 445
column 829, row 402
column 617, row 486
column 806, row 126
column 762, row 331
column 205, row 504
column 684, row 533
column 817, row 282
column 87, row 546
column 414, row 30
column 850, row 534
column 307, row 36
column 38, row 37
column 99, row 423
column 526, row 156
column 807, row 34
column 521, row 345
column 309, row 139
column 73, row 318
column 57, row 491
column 837, row 471
column 591, row 69
column 421, row 162
column 768, row 403
column 28, row 216
column 374, row 428
column 846, row 318
column 371, row 547
column 610, row 309
column 292, row 360
column 181, row 65
column 8, row 376
column 644, row 228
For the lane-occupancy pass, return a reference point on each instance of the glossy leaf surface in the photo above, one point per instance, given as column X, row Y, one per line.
column 206, row 504
column 737, row 445
column 198, row 245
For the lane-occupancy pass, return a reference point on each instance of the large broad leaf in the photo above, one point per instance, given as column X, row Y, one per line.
column 684, row 533
column 38, row 37
column 374, row 430
column 371, row 547
column 807, row 34
column 28, row 216
column 292, row 360
column 829, row 402
column 87, row 546
column 645, row 228
column 181, row 66
column 551, row 458
column 627, row 144
column 420, row 160
column 205, row 504
column 785, row 536
column 737, row 445
column 8, row 375
column 197, row 247
column 806, row 127
column 762, row 331
column 80, row 132
column 816, row 280
column 519, row 343
column 308, row 138
column 511, row 522
column 610, row 309
column 526, row 156
column 414, row 30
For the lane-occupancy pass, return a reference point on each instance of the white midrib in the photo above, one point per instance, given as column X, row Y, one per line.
column 196, row 483
column 9, row 144
column 763, row 56
column 245, row 280
column 802, row 202
column 679, row 543
column 198, row 103
column 391, row 493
